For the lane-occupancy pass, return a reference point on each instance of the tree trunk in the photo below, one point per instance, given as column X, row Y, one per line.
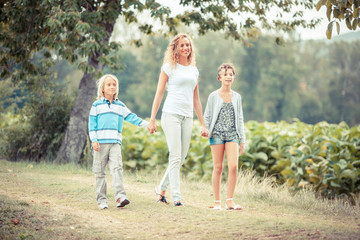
column 76, row 134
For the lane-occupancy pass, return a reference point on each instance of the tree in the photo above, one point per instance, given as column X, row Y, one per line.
column 344, row 89
column 251, row 75
column 80, row 32
column 347, row 10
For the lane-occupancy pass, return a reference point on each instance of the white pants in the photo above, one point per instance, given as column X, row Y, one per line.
column 177, row 131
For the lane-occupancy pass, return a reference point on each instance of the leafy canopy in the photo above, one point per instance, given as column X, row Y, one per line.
column 79, row 31
column 347, row 10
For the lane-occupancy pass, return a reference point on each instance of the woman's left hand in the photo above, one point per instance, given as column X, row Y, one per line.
column 204, row 132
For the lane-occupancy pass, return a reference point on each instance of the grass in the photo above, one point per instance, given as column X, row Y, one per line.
column 58, row 202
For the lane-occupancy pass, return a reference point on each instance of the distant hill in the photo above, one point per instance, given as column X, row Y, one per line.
column 348, row 37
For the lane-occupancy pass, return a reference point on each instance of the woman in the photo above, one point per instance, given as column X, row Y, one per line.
column 180, row 75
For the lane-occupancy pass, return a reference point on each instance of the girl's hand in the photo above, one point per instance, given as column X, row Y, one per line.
column 242, row 148
column 204, row 132
column 152, row 127
column 96, row 146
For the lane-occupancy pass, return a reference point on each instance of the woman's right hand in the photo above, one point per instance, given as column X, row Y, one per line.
column 152, row 127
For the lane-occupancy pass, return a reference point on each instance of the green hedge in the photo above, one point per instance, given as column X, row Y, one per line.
column 324, row 157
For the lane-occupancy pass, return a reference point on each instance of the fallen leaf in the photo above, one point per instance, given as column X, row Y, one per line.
column 15, row 221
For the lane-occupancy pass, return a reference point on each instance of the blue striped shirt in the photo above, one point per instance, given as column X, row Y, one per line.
column 106, row 120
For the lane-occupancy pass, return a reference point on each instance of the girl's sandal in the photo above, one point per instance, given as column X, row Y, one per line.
column 217, row 207
column 237, row 207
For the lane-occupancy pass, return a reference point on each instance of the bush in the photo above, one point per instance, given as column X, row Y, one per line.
column 36, row 131
column 324, row 157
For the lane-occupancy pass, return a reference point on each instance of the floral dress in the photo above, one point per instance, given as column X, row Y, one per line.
column 225, row 124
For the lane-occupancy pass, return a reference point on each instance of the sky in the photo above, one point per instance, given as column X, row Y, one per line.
column 305, row 34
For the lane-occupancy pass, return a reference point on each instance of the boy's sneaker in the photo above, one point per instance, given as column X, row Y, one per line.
column 122, row 203
column 102, row 206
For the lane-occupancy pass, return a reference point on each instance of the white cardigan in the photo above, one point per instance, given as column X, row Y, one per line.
column 212, row 110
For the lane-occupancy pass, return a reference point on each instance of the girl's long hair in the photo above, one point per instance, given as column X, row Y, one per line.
column 172, row 55
column 100, row 84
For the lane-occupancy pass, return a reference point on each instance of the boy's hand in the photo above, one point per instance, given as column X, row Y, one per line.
column 152, row 127
column 96, row 146
column 242, row 148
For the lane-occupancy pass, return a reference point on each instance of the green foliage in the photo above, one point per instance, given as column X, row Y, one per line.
column 140, row 150
column 80, row 30
column 324, row 157
column 35, row 132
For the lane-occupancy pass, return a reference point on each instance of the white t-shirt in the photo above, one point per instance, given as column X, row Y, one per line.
column 181, row 84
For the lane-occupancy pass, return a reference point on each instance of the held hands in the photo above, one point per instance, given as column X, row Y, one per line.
column 96, row 146
column 204, row 132
column 242, row 148
column 152, row 127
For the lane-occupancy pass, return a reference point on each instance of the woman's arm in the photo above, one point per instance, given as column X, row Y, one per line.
column 198, row 111
column 163, row 78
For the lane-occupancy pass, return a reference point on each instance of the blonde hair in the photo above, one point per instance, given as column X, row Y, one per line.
column 226, row 66
column 172, row 55
column 100, row 84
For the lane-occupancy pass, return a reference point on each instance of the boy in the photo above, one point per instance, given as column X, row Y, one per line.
column 105, row 127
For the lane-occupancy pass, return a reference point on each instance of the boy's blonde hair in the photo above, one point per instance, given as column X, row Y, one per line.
column 226, row 66
column 172, row 55
column 100, row 84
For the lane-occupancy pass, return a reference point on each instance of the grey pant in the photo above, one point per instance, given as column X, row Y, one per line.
column 108, row 153
column 177, row 131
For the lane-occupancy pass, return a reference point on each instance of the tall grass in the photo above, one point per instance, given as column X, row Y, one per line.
column 265, row 189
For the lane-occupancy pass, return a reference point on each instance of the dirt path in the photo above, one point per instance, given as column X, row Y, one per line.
column 68, row 198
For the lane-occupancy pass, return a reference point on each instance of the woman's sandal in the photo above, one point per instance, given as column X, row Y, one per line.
column 237, row 207
column 160, row 198
column 217, row 207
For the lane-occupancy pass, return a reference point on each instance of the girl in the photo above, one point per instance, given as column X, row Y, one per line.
column 224, row 119
column 180, row 75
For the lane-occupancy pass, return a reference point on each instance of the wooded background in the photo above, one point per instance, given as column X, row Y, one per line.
column 52, row 52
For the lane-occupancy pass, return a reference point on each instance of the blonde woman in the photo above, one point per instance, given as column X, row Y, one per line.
column 105, row 126
column 180, row 75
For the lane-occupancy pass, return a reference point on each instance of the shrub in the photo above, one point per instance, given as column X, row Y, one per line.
column 324, row 157
column 36, row 130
